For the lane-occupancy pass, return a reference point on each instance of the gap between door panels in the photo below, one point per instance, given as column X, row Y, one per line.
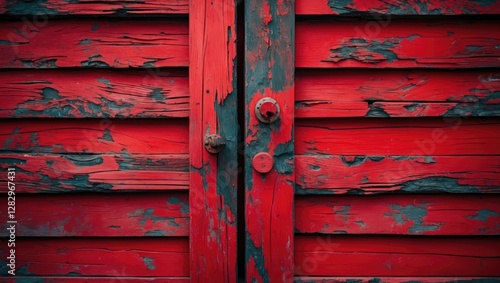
column 240, row 77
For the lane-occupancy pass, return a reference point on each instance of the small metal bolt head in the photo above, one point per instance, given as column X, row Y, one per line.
column 214, row 143
column 262, row 162
column 267, row 110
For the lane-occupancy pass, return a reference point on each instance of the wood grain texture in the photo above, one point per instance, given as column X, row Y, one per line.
column 100, row 215
column 90, row 7
column 100, row 257
column 347, row 255
column 269, row 73
column 316, row 279
column 398, row 44
column 397, row 93
column 395, row 137
column 399, row 214
column 94, row 43
column 415, row 174
column 37, row 173
column 95, row 136
column 397, row 7
column 151, row 93
column 213, row 105
column 85, row 279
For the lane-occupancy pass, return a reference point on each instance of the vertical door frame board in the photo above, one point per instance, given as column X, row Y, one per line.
column 213, row 110
column 269, row 72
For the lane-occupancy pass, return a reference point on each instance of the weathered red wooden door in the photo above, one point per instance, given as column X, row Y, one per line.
column 105, row 108
column 371, row 130
column 382, row 163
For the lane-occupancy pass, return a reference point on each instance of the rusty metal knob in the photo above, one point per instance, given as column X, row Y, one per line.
column 267, row 110
column 214, row 143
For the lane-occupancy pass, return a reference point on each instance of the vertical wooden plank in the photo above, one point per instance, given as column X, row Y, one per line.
column 269, row 57
column 213, row 105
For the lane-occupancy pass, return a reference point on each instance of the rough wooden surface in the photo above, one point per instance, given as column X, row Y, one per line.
column 101, row 215
column 398, row 137
column 347, row 255
column 93, row 136
column 317, row 279
column 269, row 57
column 97, row 172
column 397, row 97
column 86, row 279
column 120, row 60
column 397, row 93
column 400, row 44
column 100, row 257
column 399, row 214
column 396, row 7
column 416, row 174
column 213, row 104
column 94, row 43
column 77, row 93
column 90, row 7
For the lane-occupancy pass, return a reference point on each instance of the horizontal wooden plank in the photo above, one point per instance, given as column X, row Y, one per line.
column 449, row 109
column 457, row 43
column 113, row 279
column 416, row 174
column 94, row 136
column 399, row 214
column 108, row 7
column 404, row 136
column 37, row 173
column 100, row 93
column 332, row 108
column 395, row 7
column 94, row 43
column 396, row 93
column 347, row 255
column 88, row 215
column 307, row 279
column 99, row 257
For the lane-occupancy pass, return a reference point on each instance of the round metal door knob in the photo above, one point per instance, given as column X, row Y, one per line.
column 267, row 110
column 214, row 143
column 262, row 162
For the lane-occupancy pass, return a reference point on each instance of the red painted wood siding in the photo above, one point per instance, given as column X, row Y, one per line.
column 102, row 93
column 101, row 119
column 396, row 7
column 397, row 93
column 95, row 43
column 109, row 7
column 65, row 72
column 397, row 141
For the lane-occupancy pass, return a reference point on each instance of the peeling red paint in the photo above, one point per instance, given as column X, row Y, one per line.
column 113, row 44
column 396, row 7
column 85, row 136
column 381, row 279
column 386, row 214
column 94, row 215
column 213, row 102
column 101, row 173
column 375, row 174
column 96, row 94
column 109, row 7
column 344, row 255
column 103, row 257
column 395, row 93
column 269, row 195
column 383, row 137
column 398, row 45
